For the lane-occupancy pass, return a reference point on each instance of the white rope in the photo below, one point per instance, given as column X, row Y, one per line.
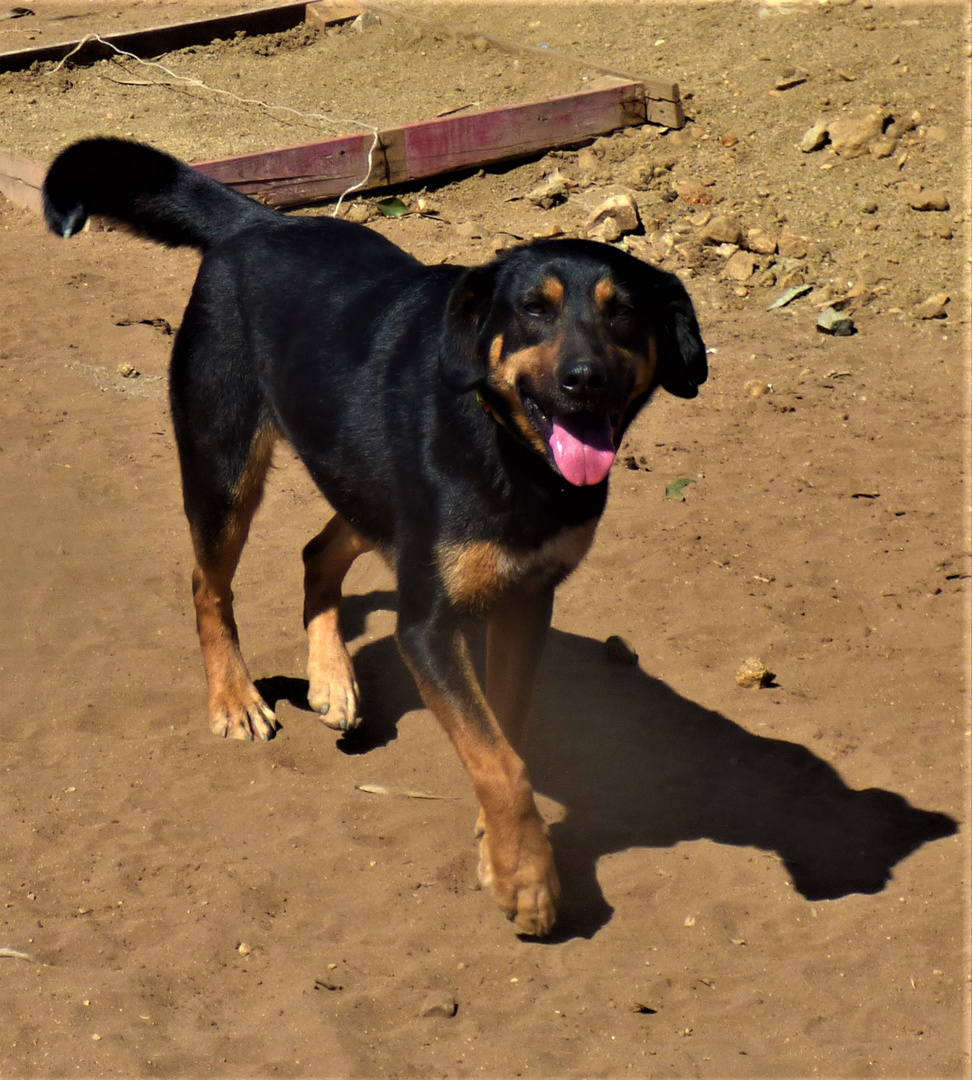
column 337, row 122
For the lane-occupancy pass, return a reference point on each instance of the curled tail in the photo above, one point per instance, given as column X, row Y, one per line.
column 152, row 192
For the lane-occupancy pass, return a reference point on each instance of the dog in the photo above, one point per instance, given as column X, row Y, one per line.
column 461, row 422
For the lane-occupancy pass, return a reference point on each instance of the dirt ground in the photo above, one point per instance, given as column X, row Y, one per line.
column 757, row 883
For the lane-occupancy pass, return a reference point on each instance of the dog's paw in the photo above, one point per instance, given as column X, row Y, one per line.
column 333, row 691
column 522, row 876
column 244, row 715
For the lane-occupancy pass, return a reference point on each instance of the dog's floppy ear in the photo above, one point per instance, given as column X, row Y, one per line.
column 462, row 359
column 682, row 362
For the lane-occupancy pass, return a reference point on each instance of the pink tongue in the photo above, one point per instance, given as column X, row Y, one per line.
column 582, row 448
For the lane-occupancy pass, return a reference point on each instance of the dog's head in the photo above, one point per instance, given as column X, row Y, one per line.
column 566, row 340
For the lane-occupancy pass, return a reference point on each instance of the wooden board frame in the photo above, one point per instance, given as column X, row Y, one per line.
column 296, row 175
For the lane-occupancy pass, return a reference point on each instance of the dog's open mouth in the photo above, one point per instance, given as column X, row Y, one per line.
column 582, row 443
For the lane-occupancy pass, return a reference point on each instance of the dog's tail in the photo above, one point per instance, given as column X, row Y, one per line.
column 152, row 192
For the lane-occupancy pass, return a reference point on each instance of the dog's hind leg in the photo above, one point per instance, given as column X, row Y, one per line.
column 219, row 527
column 333, row 690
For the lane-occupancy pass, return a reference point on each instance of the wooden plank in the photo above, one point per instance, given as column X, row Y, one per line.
column 21, row 179
column 328, row 12
column 161, row 39
column 432, row 147
column 297, row 174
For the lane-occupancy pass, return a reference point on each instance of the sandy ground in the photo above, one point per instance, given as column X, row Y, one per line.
column 758, row 883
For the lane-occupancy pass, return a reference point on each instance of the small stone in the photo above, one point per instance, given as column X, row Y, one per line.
column 760, row 241
column 721, row 230
column 883, row 146
column 614, row 218
column 754, row 673
column 936, row 133
column 551, row 192
column 690, row 254
column 928, row 199
column 617, row 649
column 757, row 388
column 692, row 191
column 832, row 321
column 867, row 206
column 366, row 21
column 243, row 949
column 850, row 136
column 360, row 213
column 814, row 137
column 740, row 266
column 792, row 246
column 480, row 44
column 790, row 78
column 932, row 308
column 441, row 1004
column 128, row 371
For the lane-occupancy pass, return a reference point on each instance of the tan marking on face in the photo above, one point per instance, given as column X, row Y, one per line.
column 477, row 574
column 604, row 293
column 645, row 366
column 534, row 365
column 552, row 290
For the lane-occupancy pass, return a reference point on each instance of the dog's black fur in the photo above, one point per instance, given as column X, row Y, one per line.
column 458, row 420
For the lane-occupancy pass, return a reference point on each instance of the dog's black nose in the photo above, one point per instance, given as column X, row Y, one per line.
column 583, row 378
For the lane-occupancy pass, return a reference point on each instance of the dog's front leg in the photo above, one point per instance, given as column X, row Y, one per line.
column 516, row 857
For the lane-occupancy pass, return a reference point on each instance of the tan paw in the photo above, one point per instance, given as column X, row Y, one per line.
column 334, row 692
column 241, row 715
column 523, row 877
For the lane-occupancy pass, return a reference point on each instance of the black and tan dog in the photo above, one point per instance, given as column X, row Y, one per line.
column 461, row 422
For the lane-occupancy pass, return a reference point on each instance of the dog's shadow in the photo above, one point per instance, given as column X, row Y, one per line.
column 637, row 765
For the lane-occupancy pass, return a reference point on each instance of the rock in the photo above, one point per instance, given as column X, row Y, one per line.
column 792, row 246
column 366, row 21
column 551, row 192
column 867, row 206
column 620, row 651
column 832, row 321
column 441, row 1004
column 739, row 267
column 790, row 78
column 468, row 231
column 932, row 308
column 757, row 388
column 927, row 198
column 614, row 218
column 850, row 136
column 691, row 254
column 721, row 230
column 814, row 137
column 754, row 673
column 883, row 146
column 692, row 191
column 359, row 212
column 606, row 232
column 588, row 163
column 128, row 371
column 760, row 241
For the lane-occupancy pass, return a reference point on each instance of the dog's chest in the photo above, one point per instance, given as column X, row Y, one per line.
column 477, row 573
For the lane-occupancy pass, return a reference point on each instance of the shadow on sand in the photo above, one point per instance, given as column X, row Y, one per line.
column 637, row 765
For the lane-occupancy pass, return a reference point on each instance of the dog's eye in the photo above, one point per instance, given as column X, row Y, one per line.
column 621, row 310
column 536, row 308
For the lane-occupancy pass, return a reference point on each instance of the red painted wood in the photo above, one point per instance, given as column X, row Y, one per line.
column 431, row 147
